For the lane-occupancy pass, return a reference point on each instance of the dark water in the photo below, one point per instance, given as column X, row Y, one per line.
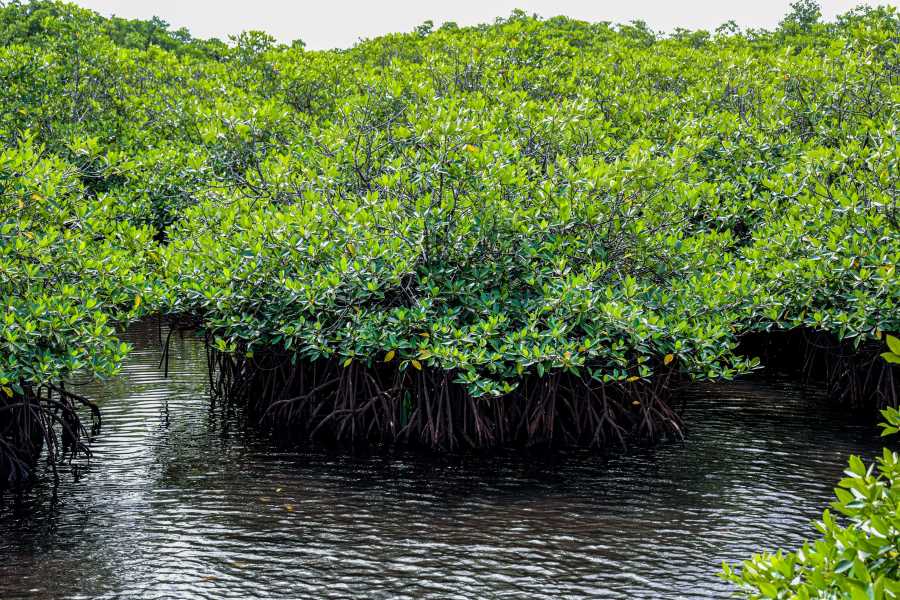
column 179, row 503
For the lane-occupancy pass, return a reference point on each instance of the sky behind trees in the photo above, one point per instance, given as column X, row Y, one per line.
column 340, row 23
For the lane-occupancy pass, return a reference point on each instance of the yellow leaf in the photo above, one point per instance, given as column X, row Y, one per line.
column 347, row 362
column 668, row 358
column 632, row 379
column 21, row 204
column 471, row 148
column 7, row 391
column 389, row 356
column 416, row 364
column 635, row 403
column 289, row 507
column 425, row 334
column 137, row 302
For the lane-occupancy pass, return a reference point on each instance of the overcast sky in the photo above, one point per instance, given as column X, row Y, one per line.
column 341, row 23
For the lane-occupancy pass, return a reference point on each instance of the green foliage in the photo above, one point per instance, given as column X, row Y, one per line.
column 857, row 557
column 495, row 202
column 893, row 353
column 69, row 270
column 803, row 16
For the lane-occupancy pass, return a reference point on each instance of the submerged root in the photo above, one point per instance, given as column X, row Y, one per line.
column 42, row 419
column 854, row 375
column 328, row 401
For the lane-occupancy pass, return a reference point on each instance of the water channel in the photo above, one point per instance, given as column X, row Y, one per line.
column 181, row 501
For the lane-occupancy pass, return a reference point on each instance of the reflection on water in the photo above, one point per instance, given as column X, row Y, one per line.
column 180, row 502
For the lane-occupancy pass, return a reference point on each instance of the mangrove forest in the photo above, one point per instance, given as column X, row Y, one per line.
column 531, row 236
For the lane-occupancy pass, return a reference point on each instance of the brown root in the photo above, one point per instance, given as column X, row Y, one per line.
column 43, row 419
column 354, row 403
column 855, row 375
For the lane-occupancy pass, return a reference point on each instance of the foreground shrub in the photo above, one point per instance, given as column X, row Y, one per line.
column 857, row 557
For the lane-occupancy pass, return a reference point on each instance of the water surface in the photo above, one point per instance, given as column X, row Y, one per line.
column 180, row 501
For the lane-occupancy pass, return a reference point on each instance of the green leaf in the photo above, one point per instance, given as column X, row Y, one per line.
column 893, row 343
column 891, row 357
column 843, row 566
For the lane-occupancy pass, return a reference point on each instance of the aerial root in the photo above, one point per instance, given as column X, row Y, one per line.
column 354, row 403
column 853, row 375
column 43, row 419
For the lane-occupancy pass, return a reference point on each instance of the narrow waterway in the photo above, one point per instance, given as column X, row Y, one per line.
column 180, row 501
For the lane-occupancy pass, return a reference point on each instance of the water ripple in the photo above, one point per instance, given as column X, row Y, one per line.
column 182, row 502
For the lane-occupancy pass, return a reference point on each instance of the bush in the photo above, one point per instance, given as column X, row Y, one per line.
column 493, row 207
column 856, row 558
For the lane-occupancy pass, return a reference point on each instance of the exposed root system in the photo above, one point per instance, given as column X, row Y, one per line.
column 47, row 419
column 856, row 376
column 328, row 401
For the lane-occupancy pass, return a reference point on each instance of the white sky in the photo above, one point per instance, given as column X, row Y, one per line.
column 340, row 23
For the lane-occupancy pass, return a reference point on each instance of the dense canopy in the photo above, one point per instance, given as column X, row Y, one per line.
column 489, row 203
